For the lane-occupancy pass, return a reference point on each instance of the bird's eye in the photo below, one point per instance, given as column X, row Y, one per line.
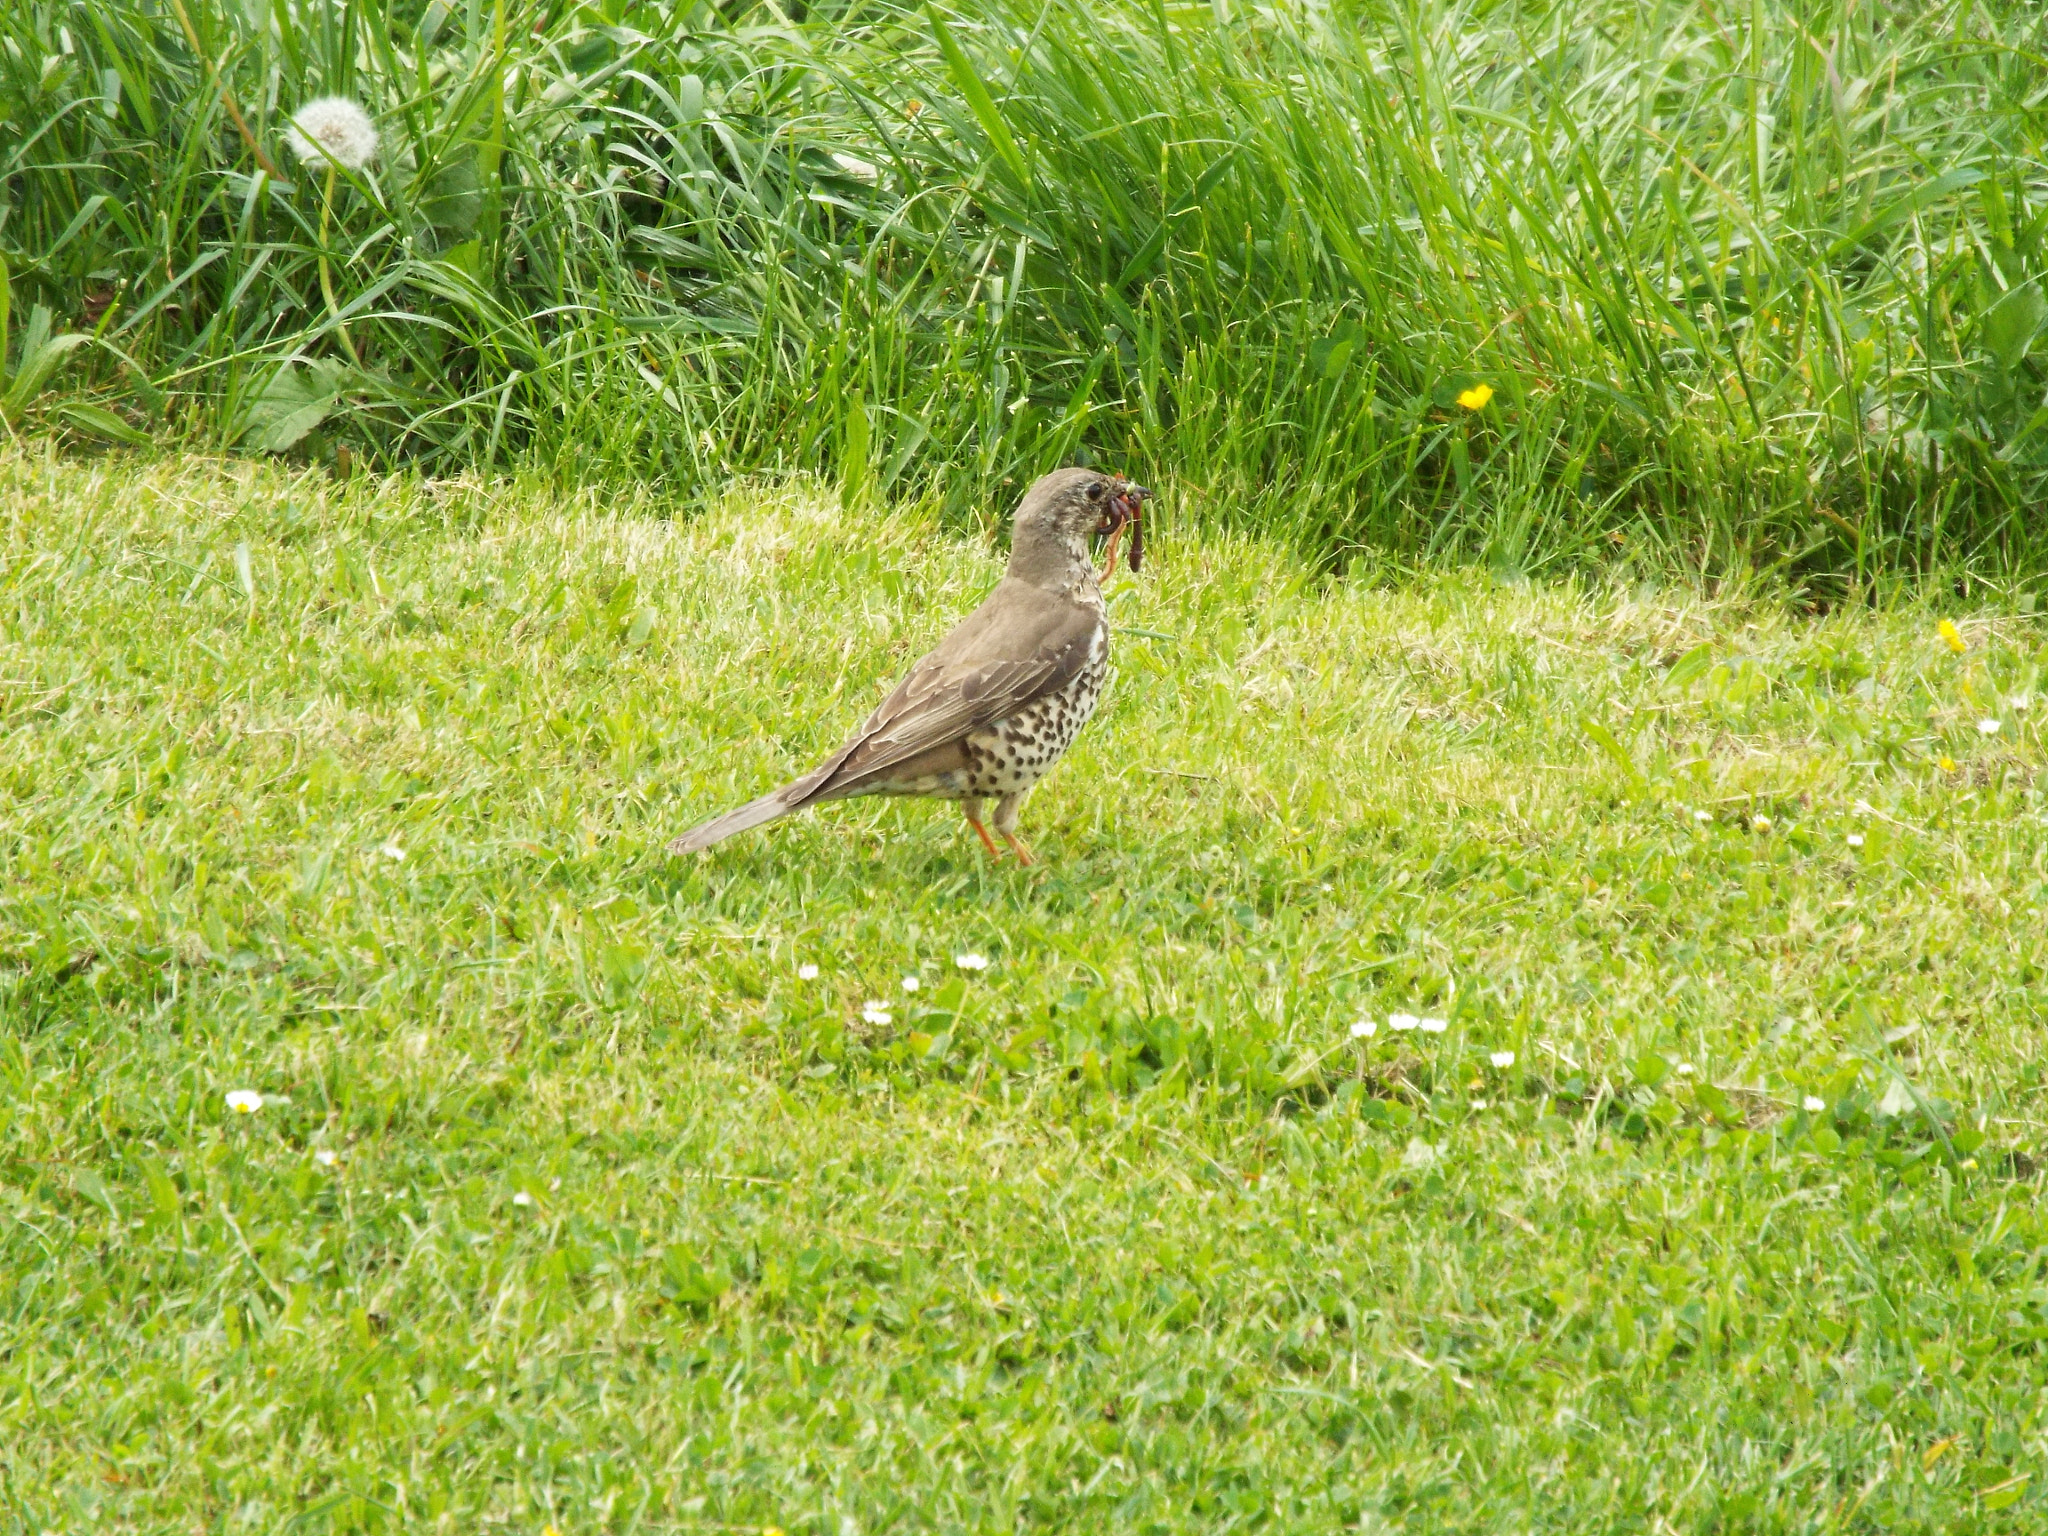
column 1095, row 491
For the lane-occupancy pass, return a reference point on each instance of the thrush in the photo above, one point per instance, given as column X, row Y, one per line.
column 987, row 714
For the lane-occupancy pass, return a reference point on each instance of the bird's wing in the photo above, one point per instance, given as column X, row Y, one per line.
column 1021, row 644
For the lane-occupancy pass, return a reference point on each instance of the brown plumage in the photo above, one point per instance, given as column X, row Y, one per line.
column 1002, row 697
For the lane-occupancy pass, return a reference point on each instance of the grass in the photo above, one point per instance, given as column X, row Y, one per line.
column 1761, row 284
column 352, row 794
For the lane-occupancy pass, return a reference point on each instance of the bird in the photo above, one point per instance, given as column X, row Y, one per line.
column 993, row 707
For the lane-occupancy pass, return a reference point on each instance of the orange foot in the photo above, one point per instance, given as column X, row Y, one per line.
column 1023, row 853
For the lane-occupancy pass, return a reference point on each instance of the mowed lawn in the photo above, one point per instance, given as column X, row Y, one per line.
column 574, row 1199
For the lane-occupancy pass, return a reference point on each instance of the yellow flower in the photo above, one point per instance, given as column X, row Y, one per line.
column 1476, row 397
column 1954, row 637
column 1947, row 763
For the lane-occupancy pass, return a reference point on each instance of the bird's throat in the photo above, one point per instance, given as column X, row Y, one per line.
column 1054, row 564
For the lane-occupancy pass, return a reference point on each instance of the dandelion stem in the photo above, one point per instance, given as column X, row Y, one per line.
column 326, row 277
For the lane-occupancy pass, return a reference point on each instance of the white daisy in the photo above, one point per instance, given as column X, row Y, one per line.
column 1812, row 1105
column 1481, row 1104
column 911, row 983
column 1502, row 1059
column 807, row 972
column 1683, row 1069
column 1702, row 815
column 245, row 1101
column 1402, row 1021
column 393, row 852
column 1364, row 1029
column 1432, row 1026
column 876, row 1012
column 1988, row 727
column 333, row 128
column 522, row 1198
column 1855, row 839
column 971, row 961
column 326, row 1157
column 1761, row 823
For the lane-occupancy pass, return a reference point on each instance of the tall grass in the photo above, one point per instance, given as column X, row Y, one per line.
column 1751, row 287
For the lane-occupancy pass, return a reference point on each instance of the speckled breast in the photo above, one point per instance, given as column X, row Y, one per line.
column 1016, row 752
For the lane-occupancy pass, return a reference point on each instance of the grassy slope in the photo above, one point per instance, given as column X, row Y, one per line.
column 1125, row 1233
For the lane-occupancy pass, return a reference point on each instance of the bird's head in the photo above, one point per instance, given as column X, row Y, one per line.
column 1065, row 510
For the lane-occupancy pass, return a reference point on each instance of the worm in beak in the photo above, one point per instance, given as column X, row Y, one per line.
column 1126, row 507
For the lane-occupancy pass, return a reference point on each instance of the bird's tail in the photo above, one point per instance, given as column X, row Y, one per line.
column 793, row 796
column 778, row 802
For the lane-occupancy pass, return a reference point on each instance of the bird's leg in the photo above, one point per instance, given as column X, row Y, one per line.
column 1007, row 811
column 973, row 810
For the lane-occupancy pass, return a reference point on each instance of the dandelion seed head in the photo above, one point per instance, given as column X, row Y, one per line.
column 333, row 127
column 245, row 1101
